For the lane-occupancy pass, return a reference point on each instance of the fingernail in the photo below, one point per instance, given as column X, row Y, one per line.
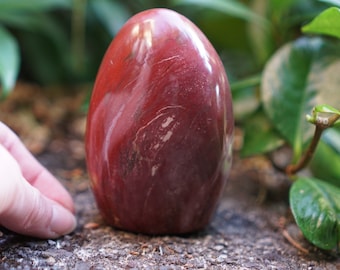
column 62, row 222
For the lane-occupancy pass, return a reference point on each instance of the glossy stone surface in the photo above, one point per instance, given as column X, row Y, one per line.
column 159, row 128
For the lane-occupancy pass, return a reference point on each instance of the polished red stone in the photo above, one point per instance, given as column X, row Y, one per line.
column 159, row 129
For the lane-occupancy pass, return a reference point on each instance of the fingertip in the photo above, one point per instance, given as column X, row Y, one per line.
column 31, row 213
column 62, row 222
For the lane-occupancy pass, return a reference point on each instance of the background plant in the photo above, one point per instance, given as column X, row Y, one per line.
column 282, row 63
column 300, row 78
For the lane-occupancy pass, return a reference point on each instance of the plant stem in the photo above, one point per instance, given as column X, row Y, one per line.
column 320, row 125
column 247, row 82
column 78, row 34
column 294, row 168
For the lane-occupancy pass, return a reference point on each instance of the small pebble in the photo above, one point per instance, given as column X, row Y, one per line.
column 218, row 247
column 50, row 261
column 91, row 226
column 51, row 242
column 221, row 258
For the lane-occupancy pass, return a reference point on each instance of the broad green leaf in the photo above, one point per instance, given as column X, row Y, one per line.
column 9, row 60
column 231, row 8
column 111, row 14
column 299, row 76
column 259, row 136
column 316, row 209
column 327, row 23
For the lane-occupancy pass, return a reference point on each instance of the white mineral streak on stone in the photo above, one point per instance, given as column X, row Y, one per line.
column 167, row 121
column 154, row 169
column 167, row 136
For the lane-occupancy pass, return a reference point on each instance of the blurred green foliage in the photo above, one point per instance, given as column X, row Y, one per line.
column 63, row 41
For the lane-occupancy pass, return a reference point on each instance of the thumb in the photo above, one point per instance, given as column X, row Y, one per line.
column 23, row 209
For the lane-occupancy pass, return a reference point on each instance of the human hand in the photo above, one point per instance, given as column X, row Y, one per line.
column 32, row 200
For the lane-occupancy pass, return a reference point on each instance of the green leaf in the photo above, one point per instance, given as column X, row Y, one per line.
column 259, row 136
column 332, row 2
column 23, row 14
column 33, row 5
column 332, row 138
column 316, row 209
column 230, row 8
column 20, row 20
column 261, row 39
column 46, row 47
column 325, row 163
column 9, row 60
column 327, row 23
column 299, row 76
column 323, row 112
column 325, row 108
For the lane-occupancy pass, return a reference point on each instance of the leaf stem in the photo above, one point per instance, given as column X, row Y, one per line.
column 294, row 168
column 321, row 123
column 78, row 34
column 247, row 82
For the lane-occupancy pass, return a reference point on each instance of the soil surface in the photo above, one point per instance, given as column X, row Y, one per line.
column 252, row 228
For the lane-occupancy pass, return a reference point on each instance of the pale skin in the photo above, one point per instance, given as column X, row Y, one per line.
column 32, row 200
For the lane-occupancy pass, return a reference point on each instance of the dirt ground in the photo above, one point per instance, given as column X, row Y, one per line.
column 252, row 228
